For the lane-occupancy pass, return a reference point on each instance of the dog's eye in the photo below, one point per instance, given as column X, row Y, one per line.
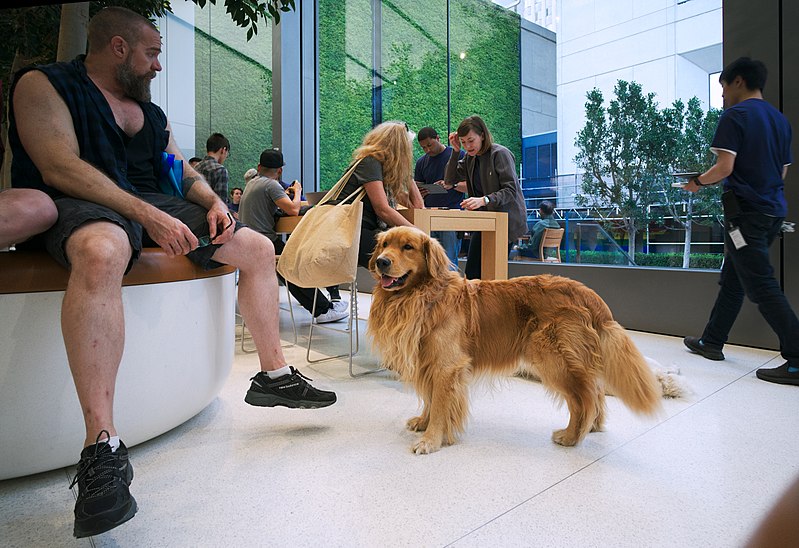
column 385, row 244
column 407, row 246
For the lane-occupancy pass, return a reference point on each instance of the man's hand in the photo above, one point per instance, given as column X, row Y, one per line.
column 423, row 191
column 170, row 233
column 691, row 186
column 473, row 203
column 296, row 191
column 455, row 142
column 221, row 225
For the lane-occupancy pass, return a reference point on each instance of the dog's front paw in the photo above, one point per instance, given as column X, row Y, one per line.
column 564, row 437
column 417, row 424
column 425, row 447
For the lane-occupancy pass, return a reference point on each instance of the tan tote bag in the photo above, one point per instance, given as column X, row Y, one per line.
column 323, row 248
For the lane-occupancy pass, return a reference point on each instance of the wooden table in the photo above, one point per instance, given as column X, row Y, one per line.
column 493, row 225
column 286, row 225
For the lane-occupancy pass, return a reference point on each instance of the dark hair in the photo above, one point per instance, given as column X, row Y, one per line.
column 426, row 133
column 216, row 142
column 546, row 207
column 476, row 124
column 116, row 21
column 753, row 73
column 195, row 159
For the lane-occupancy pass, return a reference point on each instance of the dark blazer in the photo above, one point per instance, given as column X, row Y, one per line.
column 499, row 181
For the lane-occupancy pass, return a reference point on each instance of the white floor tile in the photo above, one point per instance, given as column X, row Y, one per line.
column 700, row 474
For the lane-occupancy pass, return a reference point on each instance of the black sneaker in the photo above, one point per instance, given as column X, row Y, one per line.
column 104, row 500
column 288, row 391
column 784, row 374
column 695, row 344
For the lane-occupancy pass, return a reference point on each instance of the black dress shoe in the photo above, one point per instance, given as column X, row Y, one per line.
column 695, row 344
column 784, row 374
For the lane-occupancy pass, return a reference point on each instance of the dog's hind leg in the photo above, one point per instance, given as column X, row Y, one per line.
column 582, row 416
column 446, row 410
column 599, row 421
column 568, row 351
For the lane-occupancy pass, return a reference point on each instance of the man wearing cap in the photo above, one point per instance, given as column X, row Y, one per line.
column 258, row 209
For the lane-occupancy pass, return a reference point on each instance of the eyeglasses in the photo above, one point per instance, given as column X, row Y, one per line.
column 203, row 241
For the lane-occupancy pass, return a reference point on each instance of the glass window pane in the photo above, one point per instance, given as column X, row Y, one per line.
column 233, row 79
column 345, row 83
column 635, row 106
column 485, row 69
column 414, row 64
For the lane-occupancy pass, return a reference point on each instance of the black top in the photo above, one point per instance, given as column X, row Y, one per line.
column 367, row 171
column 141, row 172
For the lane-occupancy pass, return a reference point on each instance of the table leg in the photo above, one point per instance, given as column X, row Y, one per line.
column 494, row 253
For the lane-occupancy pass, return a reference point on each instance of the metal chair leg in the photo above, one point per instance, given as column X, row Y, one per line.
column 352, row 328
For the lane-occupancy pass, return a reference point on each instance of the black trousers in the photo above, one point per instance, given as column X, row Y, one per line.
column 748, row 272
column 474, row 269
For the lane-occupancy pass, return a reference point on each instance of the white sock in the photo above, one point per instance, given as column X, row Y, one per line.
column 277, row 373
column 113, row 441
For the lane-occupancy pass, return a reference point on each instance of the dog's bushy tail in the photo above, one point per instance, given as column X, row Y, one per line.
column 626, row 372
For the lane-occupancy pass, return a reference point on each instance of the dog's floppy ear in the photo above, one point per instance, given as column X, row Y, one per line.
column 379, row 237
column 437, row 261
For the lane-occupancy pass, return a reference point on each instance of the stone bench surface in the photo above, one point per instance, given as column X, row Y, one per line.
column 36, row 271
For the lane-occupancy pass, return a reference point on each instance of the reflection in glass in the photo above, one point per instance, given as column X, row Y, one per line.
column 233, row 79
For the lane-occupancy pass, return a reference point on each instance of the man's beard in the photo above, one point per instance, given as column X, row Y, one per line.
column 135, row 86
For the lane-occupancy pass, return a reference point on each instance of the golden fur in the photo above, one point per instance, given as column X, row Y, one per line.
column 438, row 331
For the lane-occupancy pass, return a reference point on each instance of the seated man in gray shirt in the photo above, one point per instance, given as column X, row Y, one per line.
column 258, row 209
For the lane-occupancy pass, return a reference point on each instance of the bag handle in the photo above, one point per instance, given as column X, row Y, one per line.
column 335, row 191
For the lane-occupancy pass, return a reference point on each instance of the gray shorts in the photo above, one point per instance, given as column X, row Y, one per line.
column 74, row 213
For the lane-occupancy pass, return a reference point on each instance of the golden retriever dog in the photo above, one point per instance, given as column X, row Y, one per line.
column 438, row 332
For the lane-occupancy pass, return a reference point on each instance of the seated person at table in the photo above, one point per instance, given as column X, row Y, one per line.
column 258, row 209
column 546, row 209
column 386, row 156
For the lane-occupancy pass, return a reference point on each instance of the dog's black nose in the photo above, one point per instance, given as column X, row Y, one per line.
column 383, row 263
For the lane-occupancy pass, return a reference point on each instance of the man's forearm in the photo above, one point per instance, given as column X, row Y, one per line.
column 85, row 182
column 202, row 194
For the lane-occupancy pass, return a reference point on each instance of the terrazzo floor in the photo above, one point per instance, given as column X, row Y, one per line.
column 701, row 474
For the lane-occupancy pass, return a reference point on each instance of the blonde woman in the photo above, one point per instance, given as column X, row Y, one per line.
column 385, row 171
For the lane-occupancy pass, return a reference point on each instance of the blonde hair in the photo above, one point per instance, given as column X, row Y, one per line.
column 388, row 143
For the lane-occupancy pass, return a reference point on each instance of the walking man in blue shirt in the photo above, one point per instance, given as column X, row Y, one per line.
column 430, row 170
column 753, row 150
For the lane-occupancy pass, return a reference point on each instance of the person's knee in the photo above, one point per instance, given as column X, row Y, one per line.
column 100, row 251
column 256, row 249
column 39, row 209
column 25, row 212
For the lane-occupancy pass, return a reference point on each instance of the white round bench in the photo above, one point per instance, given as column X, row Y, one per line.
column 179, row 346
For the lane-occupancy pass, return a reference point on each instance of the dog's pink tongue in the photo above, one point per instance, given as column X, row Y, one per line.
column 386, row 281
